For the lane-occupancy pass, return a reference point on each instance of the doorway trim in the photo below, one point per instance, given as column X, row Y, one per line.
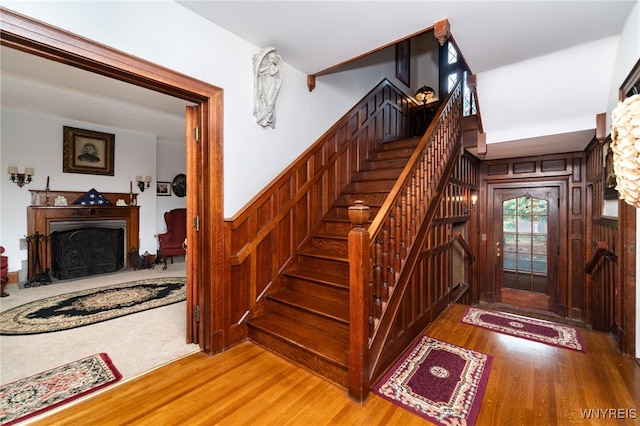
column 204, row 254
column 561, row 184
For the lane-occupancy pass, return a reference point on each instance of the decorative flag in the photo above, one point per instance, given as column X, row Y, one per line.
column 92, row 198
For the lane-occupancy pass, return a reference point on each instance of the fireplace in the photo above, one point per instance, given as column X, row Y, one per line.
column 45, row 220
column 86, row 251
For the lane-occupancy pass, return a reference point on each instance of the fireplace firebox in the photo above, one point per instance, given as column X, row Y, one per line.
column 86, row 251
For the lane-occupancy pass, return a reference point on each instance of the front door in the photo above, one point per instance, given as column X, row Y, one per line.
column 526, row 247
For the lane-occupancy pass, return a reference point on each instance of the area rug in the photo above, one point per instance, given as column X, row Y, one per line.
column 81, row 308
column 528, row 328
column 34, row 395
column 438, row 381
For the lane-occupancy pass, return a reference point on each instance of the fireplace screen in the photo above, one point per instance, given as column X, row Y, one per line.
column 86, row 251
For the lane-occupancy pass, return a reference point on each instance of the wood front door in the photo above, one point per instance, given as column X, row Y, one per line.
column 526, row 247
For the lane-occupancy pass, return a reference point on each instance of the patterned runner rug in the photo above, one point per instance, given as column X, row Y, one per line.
column 81, row 308
column 528, row 328
column 34, row 395
column 438, row 381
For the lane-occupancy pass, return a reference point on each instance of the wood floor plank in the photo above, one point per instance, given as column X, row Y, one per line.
column 530, row 384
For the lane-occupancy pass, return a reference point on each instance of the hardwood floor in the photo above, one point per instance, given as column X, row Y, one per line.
column 530, row 384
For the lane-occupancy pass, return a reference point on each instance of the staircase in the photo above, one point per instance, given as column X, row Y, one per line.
column 307, row 321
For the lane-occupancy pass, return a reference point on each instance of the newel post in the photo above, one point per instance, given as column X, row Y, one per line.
column 359, row 242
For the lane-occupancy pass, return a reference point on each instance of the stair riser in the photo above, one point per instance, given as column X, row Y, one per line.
column 378, row 174
column 396, row 153
column 378, row 185
column 336, row 329
column 331, row 293
column 331, row 267
column 393, row 163
column 340, row 246
column 299, row 356
column 371, row 199
column 404, row 143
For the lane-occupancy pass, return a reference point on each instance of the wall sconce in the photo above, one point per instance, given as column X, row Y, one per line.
column 474, row 201
column 21, row 179
column 426, row 95
column 143, row 184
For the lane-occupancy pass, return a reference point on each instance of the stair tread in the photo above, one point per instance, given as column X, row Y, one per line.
column 336, row 310
column 316, row 252
column 321, row 344
column 319, row 277
column 330, row 236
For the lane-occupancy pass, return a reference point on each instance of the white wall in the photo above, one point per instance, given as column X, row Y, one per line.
column 35, row 140
column 512, row 97
column 171, row 161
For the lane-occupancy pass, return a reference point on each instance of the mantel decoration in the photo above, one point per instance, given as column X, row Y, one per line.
column 87, row 152
column 268, row 71
column 625, row 143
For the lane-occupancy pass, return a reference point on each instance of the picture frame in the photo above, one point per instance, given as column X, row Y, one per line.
column 163, row 189
column 609, row 181
column 87, row 151
column 403, row 64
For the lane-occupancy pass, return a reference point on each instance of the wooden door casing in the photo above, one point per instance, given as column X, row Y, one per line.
column 548, row 300
column 38, row 38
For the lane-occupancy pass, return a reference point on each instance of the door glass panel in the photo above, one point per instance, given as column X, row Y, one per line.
column 524, row 225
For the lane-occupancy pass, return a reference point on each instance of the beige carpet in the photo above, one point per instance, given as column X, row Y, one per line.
column 136, row 343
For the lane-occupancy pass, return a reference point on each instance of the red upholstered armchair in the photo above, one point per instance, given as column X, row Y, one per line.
column 4, row 273
column 171, row 242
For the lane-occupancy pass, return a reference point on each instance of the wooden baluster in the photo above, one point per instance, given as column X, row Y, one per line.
column 398, row 237
column 404, row 226
column 385, row 259
column 377, row 276
column 412, row 204
column 392, row 241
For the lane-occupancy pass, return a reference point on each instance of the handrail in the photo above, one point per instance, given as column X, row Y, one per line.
column 460, row 239
column 602, row 251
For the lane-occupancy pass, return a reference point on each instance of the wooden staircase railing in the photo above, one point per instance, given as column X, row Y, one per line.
column 601, row 252
column 460, row 239
column 378, row 256
column 263, row 238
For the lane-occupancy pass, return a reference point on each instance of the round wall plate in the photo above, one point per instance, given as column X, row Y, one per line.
column 179, row 185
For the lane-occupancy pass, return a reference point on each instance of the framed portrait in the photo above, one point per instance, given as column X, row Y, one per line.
column 608, row 175
column 87, row 152
column 163, row 189
column 403, row 55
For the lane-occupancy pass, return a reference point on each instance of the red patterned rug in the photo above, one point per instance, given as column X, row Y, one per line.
column 528, row 328
column 438, row 381
column 34, row 395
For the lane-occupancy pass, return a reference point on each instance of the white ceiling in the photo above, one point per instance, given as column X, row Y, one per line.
column 315, row 35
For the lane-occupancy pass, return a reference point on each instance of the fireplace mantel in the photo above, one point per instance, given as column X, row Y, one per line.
column 39, row 219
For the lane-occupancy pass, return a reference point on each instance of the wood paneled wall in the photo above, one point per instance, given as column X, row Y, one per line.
column 603, row 311
column 264, row 236
column 568, row 172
